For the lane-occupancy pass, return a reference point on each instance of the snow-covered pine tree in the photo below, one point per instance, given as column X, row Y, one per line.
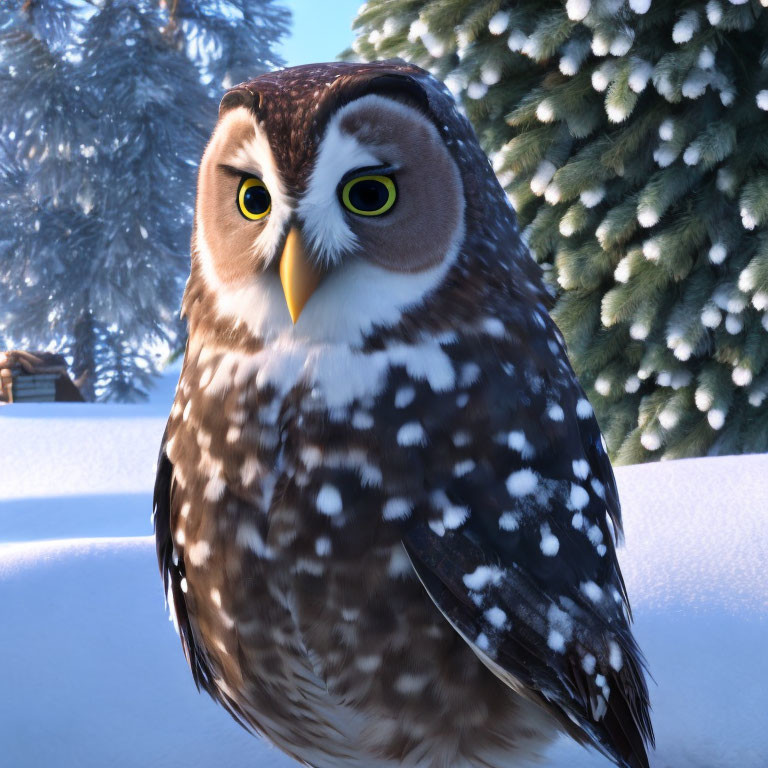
column 232, row 41
column 106, row 109
column 632, row 138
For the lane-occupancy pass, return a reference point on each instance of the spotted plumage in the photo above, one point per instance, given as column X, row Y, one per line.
column 386, row 519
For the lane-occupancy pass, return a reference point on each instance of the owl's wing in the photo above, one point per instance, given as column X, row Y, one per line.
column 172, row 570
column 171, row 563
column 170, row 558
column 515, row 546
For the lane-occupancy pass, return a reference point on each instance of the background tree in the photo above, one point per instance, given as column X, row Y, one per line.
column 106, row 110
column 229, row 41
column 633, row 141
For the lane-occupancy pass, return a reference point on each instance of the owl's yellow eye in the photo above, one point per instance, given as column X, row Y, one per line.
column 253, row 198
column 369, row 195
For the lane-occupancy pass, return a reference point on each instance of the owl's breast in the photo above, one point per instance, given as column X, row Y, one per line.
column 288, row 503
column 294, row 578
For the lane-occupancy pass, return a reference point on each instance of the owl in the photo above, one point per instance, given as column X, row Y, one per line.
column 385, row 517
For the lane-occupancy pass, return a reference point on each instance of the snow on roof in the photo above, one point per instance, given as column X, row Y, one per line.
column 26, row 375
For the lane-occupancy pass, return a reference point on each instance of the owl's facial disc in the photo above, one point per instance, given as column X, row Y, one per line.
column 243, row 208
column 383, row 188
column 326, row 241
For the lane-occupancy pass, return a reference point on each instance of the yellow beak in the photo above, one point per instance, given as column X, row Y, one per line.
column 298, row 275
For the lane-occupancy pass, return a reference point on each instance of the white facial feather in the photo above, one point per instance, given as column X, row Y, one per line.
column 346, row 306
column 327, row 231
column 358, row 295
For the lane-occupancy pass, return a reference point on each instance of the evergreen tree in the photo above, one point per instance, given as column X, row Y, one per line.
column 632, row 140
column 107, row 106
column 230, row 42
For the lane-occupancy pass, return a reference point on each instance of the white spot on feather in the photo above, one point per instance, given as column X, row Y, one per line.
column 595, row 535
column 579, row 497
column 592, row 591
column 482, row 642
column 616, row 658
column 517, row 441
column 404, row 397
column 556, row 641
column 396, row 509
column 461, row 438
column 550, row 544
column 470, row 373
column 454, row 517
column 555, row 412
column 408, row 684
column 370, row 475
column 496, row 616
column 437, row 527
column 561, row 628
column 214, row 489
column 329, row 500
column 522, row 483
column 368, row 663
column 248, row 537
column 462, row 468
column 411, row 433
column 312, row 456
column 509, row 521
column 199, row 552
column 482, row 576
column 362, row 420
column 581, row 468
column 494, row 327
column 249, row 469
column 399, row 563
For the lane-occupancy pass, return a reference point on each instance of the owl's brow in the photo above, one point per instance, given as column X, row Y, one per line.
column 234, row 171
column 368, row 169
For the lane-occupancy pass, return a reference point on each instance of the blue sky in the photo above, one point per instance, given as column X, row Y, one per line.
column 321, row 30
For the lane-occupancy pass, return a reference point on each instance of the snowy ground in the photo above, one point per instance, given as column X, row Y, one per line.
column 93, row 674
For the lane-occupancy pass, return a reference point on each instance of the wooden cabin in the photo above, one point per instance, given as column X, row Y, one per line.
column 35, row 377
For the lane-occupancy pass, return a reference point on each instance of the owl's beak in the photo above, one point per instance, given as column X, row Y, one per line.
column 298, row 275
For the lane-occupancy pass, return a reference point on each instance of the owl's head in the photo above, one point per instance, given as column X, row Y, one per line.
column 335, row 198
